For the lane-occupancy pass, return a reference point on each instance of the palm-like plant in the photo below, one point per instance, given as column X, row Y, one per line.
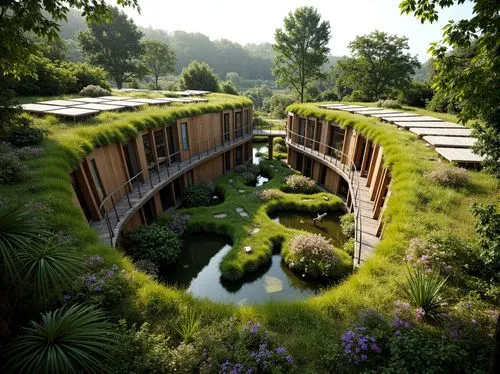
column 66, row 341
column 424, row 290
column 18, row 229
column 48, row 268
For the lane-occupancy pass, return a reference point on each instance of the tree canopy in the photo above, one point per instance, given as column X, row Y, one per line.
column 158, row 59
column 378, row 66
column 467, row 68
column 198, row 76
column 301, row 49
column 115, row 46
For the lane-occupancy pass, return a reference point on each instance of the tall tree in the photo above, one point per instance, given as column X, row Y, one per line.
column 199, row 76
column 115, row 46
column 472, row 78
column 301, row 49
column 158, row 58
column 378, row 65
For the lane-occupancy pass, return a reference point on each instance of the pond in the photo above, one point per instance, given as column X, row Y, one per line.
column 259, row 148
column 259, row 181
column 197, row 271
column 329, row 226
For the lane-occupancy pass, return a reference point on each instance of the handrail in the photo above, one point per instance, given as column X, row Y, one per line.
column 173, row 161
column 351, row 173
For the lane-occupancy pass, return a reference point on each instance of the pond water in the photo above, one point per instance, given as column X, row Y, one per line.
column 329, row 226
column 197, row 271
column 261, row 180
column 259, row 148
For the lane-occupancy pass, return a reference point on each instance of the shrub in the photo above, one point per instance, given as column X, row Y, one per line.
column 148, row 267
column 11, row 169
column 279, row 145
column 417, row 94
column 178, row 224
column 24, row 134
column 266, row 195
column 155, row 243
column 449, row 176
column 347, row 225
column 311, row 255
column 300, row 184
column 68, row 340
column 197, row 195
column 94, row 91
column 442, row 103
column 248, row 172
column 388, row 103
column 139, row 350
column 358, row 346
column 424, row 291
column 349, row 247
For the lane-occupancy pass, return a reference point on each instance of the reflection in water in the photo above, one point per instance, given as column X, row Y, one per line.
column 259, row 148
column 329, row 227
column 197, row 271
column 259, row 181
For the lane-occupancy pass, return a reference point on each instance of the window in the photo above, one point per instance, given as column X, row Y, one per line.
column 97, row 179
column 238, row 125
column 245, row 121
column 226, row 127
column 184, row 136
column 160, row 144
column 302, row 130
column 148, row 148
column 190, row 178
column 338, row 138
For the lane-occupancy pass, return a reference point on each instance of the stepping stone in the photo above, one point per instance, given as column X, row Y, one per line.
column 221, row 215
column 241, row 191
column 273, row 284
column 244, row 214
column 255, row 230
column 248, row 249
column 239, row 210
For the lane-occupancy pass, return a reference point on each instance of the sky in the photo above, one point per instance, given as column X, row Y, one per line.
column 255, row 21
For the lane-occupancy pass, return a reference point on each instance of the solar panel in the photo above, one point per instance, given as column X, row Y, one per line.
column 100, row 107
column 73, row 112
column 89, row 99
column 63, row 103
column 39, row 108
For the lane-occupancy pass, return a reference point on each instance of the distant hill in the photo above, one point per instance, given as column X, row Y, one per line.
column 251, row 61
column 423, row 73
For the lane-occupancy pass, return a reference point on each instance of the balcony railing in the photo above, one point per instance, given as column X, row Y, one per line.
column 343, row 164
column 116, row 205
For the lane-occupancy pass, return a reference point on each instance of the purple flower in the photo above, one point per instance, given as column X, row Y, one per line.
column 289, row 359
column 280, row 350
column 66, row 297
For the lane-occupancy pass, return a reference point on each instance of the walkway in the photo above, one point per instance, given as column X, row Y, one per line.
column 109, row 228
column 366, row 226
column 451, row 140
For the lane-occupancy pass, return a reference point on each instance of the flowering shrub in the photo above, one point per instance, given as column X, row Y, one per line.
column 148, row 267
column 197, row 195
column 449, row 176
column 94, row 91
column 311, row 255
column 248, row 172
column 11, row 169
column 247, row 350
column 358, row 346
column 300, row 184
column 103, row 286
column 388, row 103
column 266, row 195
column 24, row 134
column 178, row 224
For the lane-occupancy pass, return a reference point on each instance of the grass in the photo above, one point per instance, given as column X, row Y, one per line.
column 310, row 328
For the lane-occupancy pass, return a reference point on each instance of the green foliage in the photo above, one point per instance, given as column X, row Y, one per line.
column 188, row 325
column 199, row 76
column 277, row 103
column 300, row 184
column 443, row 103
column 94, row 91
column 65, row 341
column 417, row 94
column 11, row 169
column 139, row 350
column 467, row 67
column 301, row 49
column 449, row 176
column 158, row 58
column 19, row 228
column 228, row 88
column 155, row 243
column 488, row 229
column 258, row 95
column 349, row 247
column 47, row 268
column 115, row 46
column 279, row 145
column 24, row 134
column 347, row 224
column 197, row 195
column 424, row 291
column 378, row 66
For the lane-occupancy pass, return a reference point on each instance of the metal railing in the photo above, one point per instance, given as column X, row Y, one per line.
column 341, row 162
column 171, row 165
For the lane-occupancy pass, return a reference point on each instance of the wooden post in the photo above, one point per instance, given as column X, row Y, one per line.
column 270, row 146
